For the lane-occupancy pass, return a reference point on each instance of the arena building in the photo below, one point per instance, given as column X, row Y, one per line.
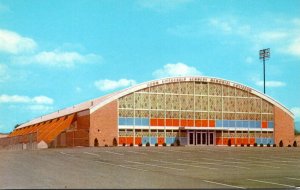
column 194, row 110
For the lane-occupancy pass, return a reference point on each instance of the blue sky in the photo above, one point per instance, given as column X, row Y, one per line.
column 54, row 54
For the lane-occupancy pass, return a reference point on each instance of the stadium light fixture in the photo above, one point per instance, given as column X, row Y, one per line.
column 264, row 54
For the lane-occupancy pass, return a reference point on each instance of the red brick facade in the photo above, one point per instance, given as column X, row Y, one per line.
column 104, row 124
column 284, row 127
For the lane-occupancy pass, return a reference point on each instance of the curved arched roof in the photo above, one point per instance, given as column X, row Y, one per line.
column 95, row 104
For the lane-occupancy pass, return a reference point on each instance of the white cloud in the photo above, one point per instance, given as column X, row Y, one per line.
column 296, row 111
column 249, row 60
column 42, row 100
column 272, row 36
column 221, row 25
column 162, row 5
column 294, row 48
column 177, row 69
column 25, row 99
column 58, row 58
column 270, row 83
column 11, row 42
column 106, row 84
column 78, row 89
column 3, row 73
column 40, row 108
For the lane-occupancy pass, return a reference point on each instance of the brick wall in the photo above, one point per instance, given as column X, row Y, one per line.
column 284, row 127
column 104, row 124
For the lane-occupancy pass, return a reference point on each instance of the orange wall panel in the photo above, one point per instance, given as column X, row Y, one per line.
column 169, row 122
column 190, row 122
column 175, row 122
column 183, row 122
column 138, row 140
column 198, row 123
column 264, row 124
column 129, row 140
column 204, row 123
column 252, row 140
column 122, row 140
column 153, row 122
column 160, row 140
column 219, row 141
column 160, row 122
column 245, row 141
column 212, row 123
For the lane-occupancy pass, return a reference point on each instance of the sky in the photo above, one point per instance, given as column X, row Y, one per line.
column 55, row 54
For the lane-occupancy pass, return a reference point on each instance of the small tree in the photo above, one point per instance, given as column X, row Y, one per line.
column 140, row 144
column 255, row 144
column 229, row 142
column 295, row 144
column 131, row 144
column 242, row 145
column 115, row 142
column 164, row 144
column 156, row 144
column 177, row 141
column 124, row 144
column 274, row 145
column 268, row 145
column 281, row 144
column 261, row 144
column 147, row 144
column 96, row 143
column 248, row 145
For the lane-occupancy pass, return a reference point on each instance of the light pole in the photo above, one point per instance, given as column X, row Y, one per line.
column 264, row 54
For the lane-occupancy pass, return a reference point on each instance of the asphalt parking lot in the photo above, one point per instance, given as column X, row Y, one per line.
column 152, row 167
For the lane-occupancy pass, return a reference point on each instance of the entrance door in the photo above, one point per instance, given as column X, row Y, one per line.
column 203, row 138
column 191, row 138
column 210, row 138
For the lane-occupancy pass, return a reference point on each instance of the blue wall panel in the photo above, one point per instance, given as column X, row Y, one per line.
column 170, row 140
column 145, row 121
column 252, row 124
column 138, row 121
column 231, row 123
column 257, row 124
column 153, row 140
column 145, row 140
column 270, row 124
column 122, row 121
column 225, row 123
column 239, row 123
column 219, row 123
column 245, row 124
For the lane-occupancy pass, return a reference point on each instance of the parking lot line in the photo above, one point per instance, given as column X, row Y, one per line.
column 136, row 152
column 122, row 166
column 227, row 162
column 249, row 163
column 157, row 152
column 66, row 154
column 91, row 154
column 240, row 159
column 223, row 184
column 273, row 160
column 260, row 181
column 153, row 165
column 215, row 164
column 292, row 178
column 178, row 151
column 115, row 153
column 175, row 163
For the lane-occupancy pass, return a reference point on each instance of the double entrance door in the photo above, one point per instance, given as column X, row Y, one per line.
column 204, row 137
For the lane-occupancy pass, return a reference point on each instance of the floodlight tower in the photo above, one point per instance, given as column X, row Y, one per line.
column 264, row 54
